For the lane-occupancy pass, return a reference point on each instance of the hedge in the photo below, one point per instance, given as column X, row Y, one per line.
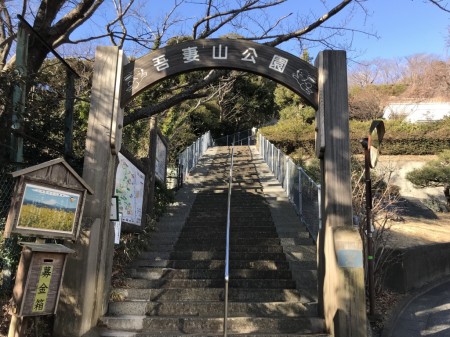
column 401, row 138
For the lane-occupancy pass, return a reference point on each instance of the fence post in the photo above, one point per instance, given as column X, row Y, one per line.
column 271, row 156
column 287, row 178
column 260, row 143
column 300, row 201
column 278, row 165
column 262, row 146
column 319, row 201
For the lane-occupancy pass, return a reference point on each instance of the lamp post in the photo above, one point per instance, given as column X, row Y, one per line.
column 371, row 146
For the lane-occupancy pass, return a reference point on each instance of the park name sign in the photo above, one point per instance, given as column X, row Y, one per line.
column 278, row 65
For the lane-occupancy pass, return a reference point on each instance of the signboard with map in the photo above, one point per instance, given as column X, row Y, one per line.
column 130, row 191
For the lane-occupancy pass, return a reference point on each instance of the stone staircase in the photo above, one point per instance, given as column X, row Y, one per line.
column 176, row 287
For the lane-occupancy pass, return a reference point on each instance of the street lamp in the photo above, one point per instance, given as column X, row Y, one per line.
column 371, row 147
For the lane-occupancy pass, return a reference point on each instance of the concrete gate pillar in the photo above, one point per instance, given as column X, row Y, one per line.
column 85, row 291
column 340, row 255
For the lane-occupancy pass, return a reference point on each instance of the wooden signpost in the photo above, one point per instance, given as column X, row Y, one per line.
column 47, row 202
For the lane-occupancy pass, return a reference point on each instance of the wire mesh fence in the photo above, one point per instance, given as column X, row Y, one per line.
column 302, row 190
column 6, row 189
column 244, row 137
column 189, row 158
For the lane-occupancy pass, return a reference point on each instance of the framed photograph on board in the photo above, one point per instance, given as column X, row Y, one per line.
column 48, row 210
column 48, row 201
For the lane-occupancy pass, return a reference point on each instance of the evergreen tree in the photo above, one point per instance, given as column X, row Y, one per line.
column 435, row 173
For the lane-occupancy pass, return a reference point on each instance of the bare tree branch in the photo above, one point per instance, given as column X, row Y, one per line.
column 309, row 28
column 72, row 20
column 439, row 4
column 232, row 14
column 7, row 34
column 174, row 100
column 119, row 19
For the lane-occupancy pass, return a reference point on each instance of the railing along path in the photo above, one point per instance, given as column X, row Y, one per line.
column 227, row 244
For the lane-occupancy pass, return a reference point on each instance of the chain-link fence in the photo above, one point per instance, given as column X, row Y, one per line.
column 245, row 137
column 191, row 155
column 6, row 189
column 301, row 190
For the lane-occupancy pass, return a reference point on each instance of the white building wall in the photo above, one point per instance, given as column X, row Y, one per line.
column 418, row 112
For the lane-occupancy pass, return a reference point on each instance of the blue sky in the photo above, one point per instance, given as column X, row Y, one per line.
column 51, row 197
column 405, row 27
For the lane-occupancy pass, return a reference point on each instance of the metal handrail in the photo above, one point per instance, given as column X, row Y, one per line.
column 297, row 189
column 238, row 138
column 227, row 245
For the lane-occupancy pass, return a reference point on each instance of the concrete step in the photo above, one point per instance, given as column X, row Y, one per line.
column 212, row 246
column 179, row 290
column 194, row 274
column 206, row 325
column 262, row 295
column 244, row 210
column 219, row 234
column 240, row 241
column 108, row 333
column 235, row 222
column 243, row 228
column 214, row 264
column 212, row 308
column 211, row 255
column 211, row 283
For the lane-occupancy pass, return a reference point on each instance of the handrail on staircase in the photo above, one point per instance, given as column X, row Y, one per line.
column 227, row 244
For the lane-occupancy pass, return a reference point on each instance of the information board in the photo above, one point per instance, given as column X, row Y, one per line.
column 130, row 191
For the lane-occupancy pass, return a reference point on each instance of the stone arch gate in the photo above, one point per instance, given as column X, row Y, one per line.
column 116, row 81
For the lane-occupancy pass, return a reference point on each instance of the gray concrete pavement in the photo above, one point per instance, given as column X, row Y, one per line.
column 426, row 313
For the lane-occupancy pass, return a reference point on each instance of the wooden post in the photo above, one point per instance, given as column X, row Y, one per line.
column 340, row 258
column 68, row 116
column 152, row 164
column 87, row 278
column 19, row 95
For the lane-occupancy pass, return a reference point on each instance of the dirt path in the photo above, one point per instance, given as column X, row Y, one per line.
column 414, row 231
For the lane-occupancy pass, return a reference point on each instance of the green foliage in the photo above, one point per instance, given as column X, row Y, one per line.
column 401, row 138
column 434, row 173
column 42, row 119
column 387, row 90
column 9, row 258
column 249, row 102
column 312, row 168
column 306, row 57
column 392, row 89
column 136, row 138
column 292, row 135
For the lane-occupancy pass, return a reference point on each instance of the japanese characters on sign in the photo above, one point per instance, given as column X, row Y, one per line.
column 43, row 285
column 222, row 53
